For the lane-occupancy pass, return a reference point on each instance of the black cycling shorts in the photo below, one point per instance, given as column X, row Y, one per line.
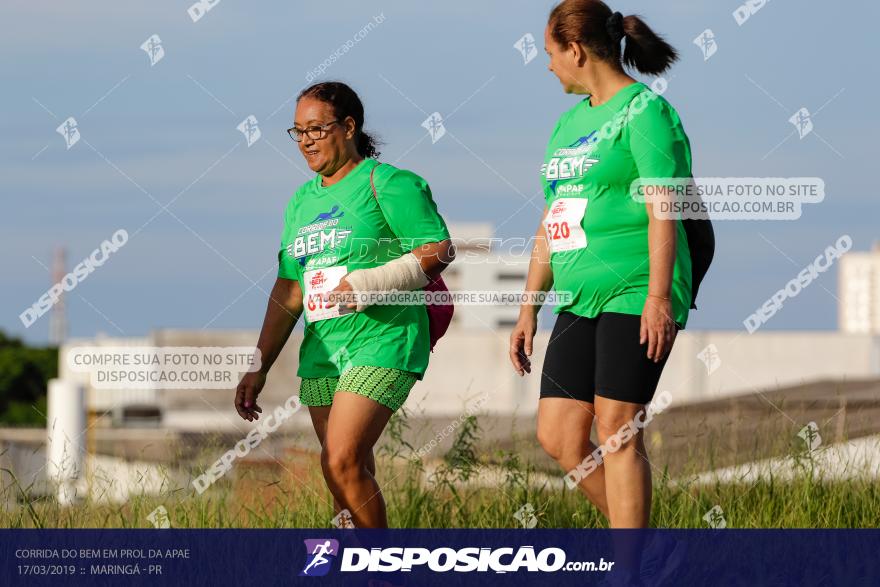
column 599, row 356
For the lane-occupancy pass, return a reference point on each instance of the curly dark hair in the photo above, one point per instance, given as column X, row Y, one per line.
column 345, row 102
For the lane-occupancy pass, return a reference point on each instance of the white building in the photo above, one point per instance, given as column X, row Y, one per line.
column 859, row 292
column 485, row 263
column 471, row 362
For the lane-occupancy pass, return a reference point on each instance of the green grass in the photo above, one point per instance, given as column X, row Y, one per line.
column 291, row 494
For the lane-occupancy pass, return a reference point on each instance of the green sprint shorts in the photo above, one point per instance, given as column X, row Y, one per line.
column 389, row 387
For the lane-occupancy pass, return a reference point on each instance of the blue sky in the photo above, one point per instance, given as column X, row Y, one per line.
column 168, row 132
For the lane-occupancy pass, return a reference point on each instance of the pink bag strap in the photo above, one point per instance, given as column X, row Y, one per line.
column 376, row 196
column 373, row 184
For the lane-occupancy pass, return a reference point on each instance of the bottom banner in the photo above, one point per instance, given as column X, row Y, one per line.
column 391, row 558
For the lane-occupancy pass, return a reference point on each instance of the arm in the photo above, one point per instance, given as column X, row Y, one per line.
column 435, row 257
column 406, row 202
column 660, row 149
column 540, row 278
column 408, row 272
column 657, row 326
column 284, row 309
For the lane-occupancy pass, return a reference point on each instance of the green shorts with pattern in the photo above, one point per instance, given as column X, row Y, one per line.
column 389, row 387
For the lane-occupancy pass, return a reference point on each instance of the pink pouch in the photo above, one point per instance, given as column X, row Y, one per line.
column 439, row 315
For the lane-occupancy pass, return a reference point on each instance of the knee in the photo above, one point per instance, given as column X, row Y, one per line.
column 340, row 464
column 551, row 441
column 616, row 433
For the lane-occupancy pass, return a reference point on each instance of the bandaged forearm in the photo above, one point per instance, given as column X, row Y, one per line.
column 403, row 274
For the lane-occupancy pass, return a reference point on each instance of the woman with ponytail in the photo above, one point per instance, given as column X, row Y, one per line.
column 628, row 272
column 357, row 229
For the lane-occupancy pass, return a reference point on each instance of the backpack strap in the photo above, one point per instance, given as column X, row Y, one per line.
column 372, row 183
column 376, row 196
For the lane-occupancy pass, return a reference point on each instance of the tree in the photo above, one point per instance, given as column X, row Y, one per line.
column 24, row 377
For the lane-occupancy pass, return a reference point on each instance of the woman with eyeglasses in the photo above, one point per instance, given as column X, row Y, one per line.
column 627, row 268
column 359, row 226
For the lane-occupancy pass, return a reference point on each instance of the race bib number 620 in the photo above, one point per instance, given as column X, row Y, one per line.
column 563, row 224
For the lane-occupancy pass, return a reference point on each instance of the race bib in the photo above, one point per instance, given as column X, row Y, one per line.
column 563, row 224
column 318, row 282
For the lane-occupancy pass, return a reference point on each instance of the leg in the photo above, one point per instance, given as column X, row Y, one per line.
column 627, row 478
column 317, row 395
column 627, row 470
column 320, row 415
column 565, row 411
column 564, row 432
column 625, row 382
column 354, row 426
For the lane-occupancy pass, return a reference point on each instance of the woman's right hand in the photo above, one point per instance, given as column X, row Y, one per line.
column 521, row 342
column 246, row 394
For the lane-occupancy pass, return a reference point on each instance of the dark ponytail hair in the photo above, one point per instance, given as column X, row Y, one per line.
column 593, row 24
column 345, row 102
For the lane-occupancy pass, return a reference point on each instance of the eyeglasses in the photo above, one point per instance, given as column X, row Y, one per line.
column 313, row 132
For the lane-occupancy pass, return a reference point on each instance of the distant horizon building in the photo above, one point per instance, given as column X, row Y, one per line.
column 859, row 292
column 484, row 263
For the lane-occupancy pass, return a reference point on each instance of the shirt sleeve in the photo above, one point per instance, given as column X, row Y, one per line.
column 659, row 145
column 288, row 267
column 406, row 202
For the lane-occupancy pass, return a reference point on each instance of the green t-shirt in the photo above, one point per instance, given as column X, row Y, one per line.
column 598, row 234
column 331, row 231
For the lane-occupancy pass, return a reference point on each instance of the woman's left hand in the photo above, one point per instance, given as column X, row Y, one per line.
column 657, row 328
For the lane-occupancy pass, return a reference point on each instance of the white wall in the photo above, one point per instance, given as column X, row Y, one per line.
column 105, row 399
column 766, row 360
column 468, row 364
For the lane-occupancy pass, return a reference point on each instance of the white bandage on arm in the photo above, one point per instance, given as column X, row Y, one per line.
column 403, row 274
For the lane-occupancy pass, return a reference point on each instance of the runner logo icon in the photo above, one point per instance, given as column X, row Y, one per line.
column 320, row 553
